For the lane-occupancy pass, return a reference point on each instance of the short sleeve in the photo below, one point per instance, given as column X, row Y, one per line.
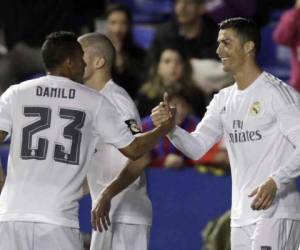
column 127, row 109
column 111, row 127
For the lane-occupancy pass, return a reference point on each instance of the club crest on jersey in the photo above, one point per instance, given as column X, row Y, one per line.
column 133, row 126
column 255, row 108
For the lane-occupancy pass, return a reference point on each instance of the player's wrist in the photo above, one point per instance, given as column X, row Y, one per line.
column 276, row 181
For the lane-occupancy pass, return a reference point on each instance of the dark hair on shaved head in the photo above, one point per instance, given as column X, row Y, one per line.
column 246, row 29
column 58, row 47
column 101, row 45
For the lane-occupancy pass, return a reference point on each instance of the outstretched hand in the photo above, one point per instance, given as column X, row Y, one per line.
column 164, row 114
column 264, row 195
column 100, row 214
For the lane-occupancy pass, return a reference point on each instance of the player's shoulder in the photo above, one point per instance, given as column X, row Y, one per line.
column 115, row 90
column 117, row 95
column 224, row 93
column 279, row 89
column 22, row 87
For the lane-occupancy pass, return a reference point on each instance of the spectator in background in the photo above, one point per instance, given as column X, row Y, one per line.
column 219, row 10
column 170, row 73
column 287, row 33
column 166, row 155
column 190, row 29
column 129, row 66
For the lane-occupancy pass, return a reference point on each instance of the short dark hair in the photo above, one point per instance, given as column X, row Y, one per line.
column 58, row 47
column 246, row 29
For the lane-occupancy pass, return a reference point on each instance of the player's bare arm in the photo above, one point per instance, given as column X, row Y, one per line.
column 100, row 213
column 144, row 142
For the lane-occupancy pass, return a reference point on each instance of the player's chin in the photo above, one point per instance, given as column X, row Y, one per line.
column 225, row 68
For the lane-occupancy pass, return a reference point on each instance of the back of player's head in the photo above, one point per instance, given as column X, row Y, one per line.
column 246, row 29
column 101, row 45
column 58, row 47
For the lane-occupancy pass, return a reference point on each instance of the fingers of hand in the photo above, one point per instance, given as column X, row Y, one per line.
column 263, row 199
column 253, row 192
column 95, row 220
column 166, row 101
column 100, row 219
column 160, row 115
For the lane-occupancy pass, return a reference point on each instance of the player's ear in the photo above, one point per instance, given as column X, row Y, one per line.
column 100, row 62
column 68, row 64
column 249, row 47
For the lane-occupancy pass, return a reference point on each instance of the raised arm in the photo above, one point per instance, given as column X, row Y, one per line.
column 144, row 142
column 195, row 144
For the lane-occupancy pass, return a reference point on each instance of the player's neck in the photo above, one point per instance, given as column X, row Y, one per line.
column 98, row 80
column 247, row 75
column 59, row 72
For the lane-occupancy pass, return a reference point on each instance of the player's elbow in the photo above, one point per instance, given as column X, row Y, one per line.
column 132, row 152
column 195, row 155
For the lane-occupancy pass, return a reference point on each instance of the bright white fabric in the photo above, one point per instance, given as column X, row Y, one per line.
column 261, row 130
column 121, row 236
column 16, row 235
column 55, row 125
column 267, row 234
column 132, row 205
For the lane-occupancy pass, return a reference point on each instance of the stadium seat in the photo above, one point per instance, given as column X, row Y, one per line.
column 143, row 35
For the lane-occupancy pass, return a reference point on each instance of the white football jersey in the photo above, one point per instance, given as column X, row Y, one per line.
column 132, row 205
column 257, row 125
column 55, row 124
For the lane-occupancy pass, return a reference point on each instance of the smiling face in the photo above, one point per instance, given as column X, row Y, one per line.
column 170, row 67
column 231, row 50
column 77, row 66
column 89, row 61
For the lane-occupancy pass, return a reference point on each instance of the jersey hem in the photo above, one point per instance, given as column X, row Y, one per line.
column 40, row 219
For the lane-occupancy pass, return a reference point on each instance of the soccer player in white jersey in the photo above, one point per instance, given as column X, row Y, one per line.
column 131, row 211
column 55, row 123
column 258, row 118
